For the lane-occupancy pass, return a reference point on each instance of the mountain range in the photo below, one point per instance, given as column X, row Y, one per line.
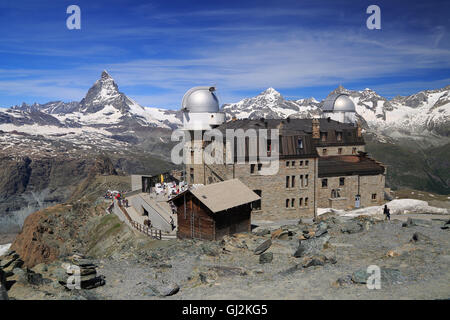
column 108, row 121
column 106, row 111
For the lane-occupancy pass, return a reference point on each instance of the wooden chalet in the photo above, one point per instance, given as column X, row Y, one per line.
column 210, row 212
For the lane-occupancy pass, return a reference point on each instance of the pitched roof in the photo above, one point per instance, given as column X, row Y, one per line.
column 349, row 165
column 224, row 195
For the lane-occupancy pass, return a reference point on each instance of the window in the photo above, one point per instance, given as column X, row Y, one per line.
column 339, row 150
column 257, row 204
column 300, row 202
column 306, row 180
column 287, row 163
column 287, row 203
column 341, row 181
column 287, row 181
column 339, row 136
column 353, row 150
column 306, row 163
column 335, row 193
column 301, row 181
column 300, row 143
column 374, row 196
column 292, row 203
column 324, row 183
column 269, row 147
column 301, row 163
column 252, row 168
column 324, row 151
column 293, row 181
column 293, row 164
column 306, row 202
column 323, row 136
column 259, row 166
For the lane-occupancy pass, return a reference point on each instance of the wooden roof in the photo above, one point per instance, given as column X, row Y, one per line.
column 223, row 195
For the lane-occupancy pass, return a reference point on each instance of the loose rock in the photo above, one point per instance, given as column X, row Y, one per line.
column 417, row 222
column 311, row 246
column 266, row 257
column 352, row 227
column 263, row 246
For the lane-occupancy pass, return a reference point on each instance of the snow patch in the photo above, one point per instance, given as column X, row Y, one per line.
column 4, row 248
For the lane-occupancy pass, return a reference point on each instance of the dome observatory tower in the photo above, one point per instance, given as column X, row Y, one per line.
column 200, row 108
column 339, row 107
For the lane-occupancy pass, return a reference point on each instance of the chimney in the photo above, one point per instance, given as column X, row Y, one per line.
column 358, row 130
column 315, row 128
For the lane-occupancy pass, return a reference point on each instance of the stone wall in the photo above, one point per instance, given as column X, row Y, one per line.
column 368, row 185
column 345, row 150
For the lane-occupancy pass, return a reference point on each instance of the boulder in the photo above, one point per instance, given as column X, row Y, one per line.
column 263, row 247
column 277, row 233
column 417, row 222
column 322, row 228
column 352, row 227
column 261, row 232
column 317, row 260
column 228, row 271
column 311, row 246
column 35, row 278
column 417, row 236
column 210, row 249
column 165, row 289
column 266, row 257
column 93, row 282
column 313, row 261
column 8, row 260
column 19, row 276
column 342, row 282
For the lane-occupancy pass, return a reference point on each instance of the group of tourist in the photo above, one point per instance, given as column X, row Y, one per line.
column 170, row 188
column 110, row 195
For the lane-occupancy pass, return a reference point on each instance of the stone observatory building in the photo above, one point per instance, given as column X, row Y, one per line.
column 322, row 162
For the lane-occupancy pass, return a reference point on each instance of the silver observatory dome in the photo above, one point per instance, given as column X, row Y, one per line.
column 200, row 99
column 339, row 102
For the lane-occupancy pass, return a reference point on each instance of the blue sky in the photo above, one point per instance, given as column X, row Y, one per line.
column 157, row 50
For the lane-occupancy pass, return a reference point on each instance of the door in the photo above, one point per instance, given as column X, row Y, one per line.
column 357, row 201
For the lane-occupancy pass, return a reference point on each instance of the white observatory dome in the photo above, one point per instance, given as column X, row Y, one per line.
column 200, row 99
column 200, row 108
column 339, row 107
column 339, row 102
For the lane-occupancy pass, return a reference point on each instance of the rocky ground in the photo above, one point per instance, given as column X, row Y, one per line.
column 326, row 259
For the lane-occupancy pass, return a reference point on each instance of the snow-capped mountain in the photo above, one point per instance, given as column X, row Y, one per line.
column 103, row 106
column 426, row 112
column 271, row 104
column 106, row 116
column 104, row 119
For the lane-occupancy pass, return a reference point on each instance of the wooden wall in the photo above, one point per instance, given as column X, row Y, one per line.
column 200, row 223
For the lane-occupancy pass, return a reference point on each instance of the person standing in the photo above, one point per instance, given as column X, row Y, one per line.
column 387, row 212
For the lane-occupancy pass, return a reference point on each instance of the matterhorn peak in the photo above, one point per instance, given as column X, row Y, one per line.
column 104, row 92
column 106, row 75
